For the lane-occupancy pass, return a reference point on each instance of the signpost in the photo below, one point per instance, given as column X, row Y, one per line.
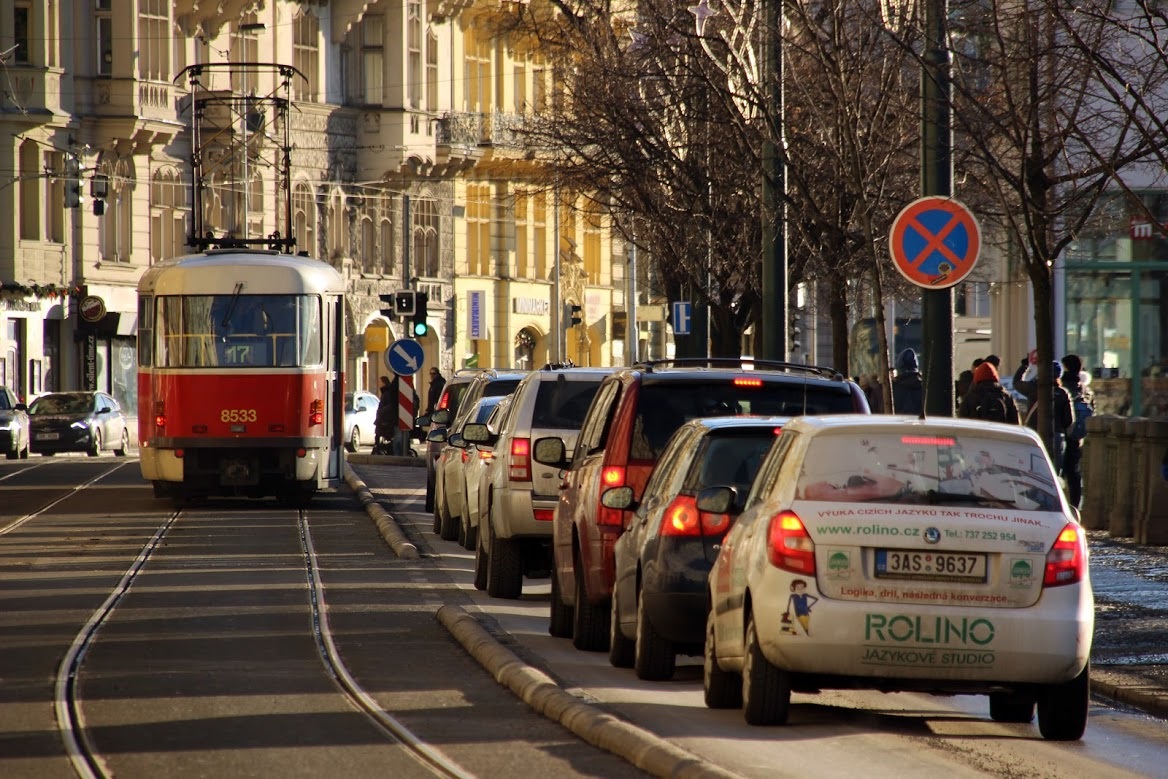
column 404, row 357
column 682, row 314
column 934, row 242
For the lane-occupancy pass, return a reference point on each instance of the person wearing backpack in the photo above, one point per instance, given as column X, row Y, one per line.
column 987, row 398
column 1083, row 405
column 908, row 390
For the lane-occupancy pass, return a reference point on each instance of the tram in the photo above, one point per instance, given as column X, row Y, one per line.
column 240, row 376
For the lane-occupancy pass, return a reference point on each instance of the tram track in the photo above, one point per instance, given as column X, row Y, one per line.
column 8, row 527
column 85, row 756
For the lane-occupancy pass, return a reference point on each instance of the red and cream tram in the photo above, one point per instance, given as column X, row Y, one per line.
column 240, row 379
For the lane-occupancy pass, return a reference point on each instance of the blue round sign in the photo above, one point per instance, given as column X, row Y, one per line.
column 404, row 357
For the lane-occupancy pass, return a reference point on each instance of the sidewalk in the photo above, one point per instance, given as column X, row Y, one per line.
column 397, row 481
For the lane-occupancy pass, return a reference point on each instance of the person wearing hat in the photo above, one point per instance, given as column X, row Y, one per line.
column 987, row 398
column 908, row 391
column 437, row 384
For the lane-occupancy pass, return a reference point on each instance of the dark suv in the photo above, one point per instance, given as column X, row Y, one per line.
column 631, row 418
column 485, row 383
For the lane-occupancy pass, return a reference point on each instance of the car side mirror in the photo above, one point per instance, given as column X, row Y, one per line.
column 550, row 451
column 437, row 436
column 717, row 500
column 424, row 421
column 440, row 417
column 456, row 439
column 619, row 498
column 476, row 433
column 21, row 407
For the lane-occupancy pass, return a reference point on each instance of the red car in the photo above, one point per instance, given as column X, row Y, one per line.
column 631, row 417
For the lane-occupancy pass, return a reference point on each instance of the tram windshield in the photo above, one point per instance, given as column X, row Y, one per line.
column 239, row 331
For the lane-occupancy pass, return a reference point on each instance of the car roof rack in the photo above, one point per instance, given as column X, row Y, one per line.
column 738, row 362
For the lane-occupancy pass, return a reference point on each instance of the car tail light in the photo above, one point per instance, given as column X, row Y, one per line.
column 520, row 467
column 610, row 476
column 486, row 454
column 544, row 515
column 748, row 382
column 444, row 401
column 464, row 454
column 1067, row 559
column 788, row 545
column 682, row 518
column 316, row 412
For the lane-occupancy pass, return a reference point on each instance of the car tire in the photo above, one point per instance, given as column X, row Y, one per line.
column 12, row 454
column 560, row 623
column 125, row 445
column 590, row 625
column 482, row 560
column 448, row 531
column 472, row 538
column 1062, row 708
column 766, row 689
column 94, row 444
column 1005, row 707
column 653, row 656
column 437, row 519
column 24, row 451
column 620, row 649
column 460, row 536
column 721, row 689
column 430, row 496
column 504, row 569
column 354, row 440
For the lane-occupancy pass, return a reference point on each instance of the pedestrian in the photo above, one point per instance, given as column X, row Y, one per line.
column 908, row 391
column 987, row 398
column 1062, row 416
column 873, row 392
column 385, row 422
column 1075, row 381
column 437, row 383
column 964, row 382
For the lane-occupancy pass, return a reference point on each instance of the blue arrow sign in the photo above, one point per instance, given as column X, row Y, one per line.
column 404, row 357
column 682, row 314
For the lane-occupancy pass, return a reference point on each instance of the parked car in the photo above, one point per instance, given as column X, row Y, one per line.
column 360, row 419
column 519, row 496
column 450, row 470
column 13, row 425
column 449, row 403
column 480, row 438
column 890, row 553
column 633, row 415
column 90, row 422
column 665, row 554
column 485, row 383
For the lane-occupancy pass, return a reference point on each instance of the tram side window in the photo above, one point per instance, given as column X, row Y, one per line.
column 145, row 332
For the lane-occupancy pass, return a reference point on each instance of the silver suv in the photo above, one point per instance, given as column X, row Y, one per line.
column 518, row 496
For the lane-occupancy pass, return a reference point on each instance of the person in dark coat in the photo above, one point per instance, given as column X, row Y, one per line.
column 987, row 398
column 437, row 384
column 1076, row 389
column 908, row 391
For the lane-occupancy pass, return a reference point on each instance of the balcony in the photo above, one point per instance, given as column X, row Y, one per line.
column 36, row 93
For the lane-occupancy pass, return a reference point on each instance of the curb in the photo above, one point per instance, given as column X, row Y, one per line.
column 1146, row 696
column 385, row 459
column 649, row 752
column 643, row 749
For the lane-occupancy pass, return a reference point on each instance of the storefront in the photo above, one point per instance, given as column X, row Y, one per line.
column 1116, row 318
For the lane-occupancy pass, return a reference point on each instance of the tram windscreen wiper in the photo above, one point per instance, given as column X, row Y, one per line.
column 937, row 496
column 234, row 302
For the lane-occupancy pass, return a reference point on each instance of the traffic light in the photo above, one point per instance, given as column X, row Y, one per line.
column 418, row 326
column 72, row 181
column 391, row 301
column 576, row 315
column 405, row 302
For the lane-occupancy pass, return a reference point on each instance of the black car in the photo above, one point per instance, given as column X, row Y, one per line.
column 90, row 422
column 663, row 557
column 13, row 425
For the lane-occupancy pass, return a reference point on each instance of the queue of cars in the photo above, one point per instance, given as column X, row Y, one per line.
column 755, row 515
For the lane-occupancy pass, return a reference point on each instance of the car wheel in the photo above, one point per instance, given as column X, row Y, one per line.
column 12, row 454
column 24, row 451
column 1005, row 707
column 471, row 541
column 448, row 531
column 482, row 559
column 620, row 649
column 354, row 440
column 560, row 624
column 766, row 689
column 430, row 496
column 653, row 656
column 504, row 569
column 437, row 518
column 95, row 444
column 722, row 689
column 1062, row 708
column 125, row 445
column 590, row 626
column 460, row 536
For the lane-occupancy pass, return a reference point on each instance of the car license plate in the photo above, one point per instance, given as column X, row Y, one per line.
column 931, row 566
column 47, row 436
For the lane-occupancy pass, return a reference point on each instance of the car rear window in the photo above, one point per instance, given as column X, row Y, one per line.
column 950, row 468
column 664, row 407
column 561, row 405
column 453, row 397
column 500, row 387
column 730, row 458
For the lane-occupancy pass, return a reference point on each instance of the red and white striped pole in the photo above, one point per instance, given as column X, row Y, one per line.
column 405, row 402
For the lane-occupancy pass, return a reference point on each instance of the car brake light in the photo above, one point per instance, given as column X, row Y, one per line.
column 1067, row 559
column 610, row 476
column 520, row 467
column 544, row 515
column 444, row 401
column 316, row 412
column 748, row 382
column 464, row 454
column 682, row 518
column 486, row 454
column 788, row 545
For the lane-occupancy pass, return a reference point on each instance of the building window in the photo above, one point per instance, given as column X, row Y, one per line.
column 592, row 223
column 114, row 236
column 386, row 246
column 105, row 38
column 245, row 47
column 304, row 219
column 55, row 161
column 521, row 85
column 522, row 256
column 373, row 59
column 539, row 235
column 168, row 215
column 431, row 75
column 414, row 73
column 477, row 73
column 306, row 54
column 425, row 232
column 539, row 91
column 478, row 230
column 21, row 24
column 30, row 191
column 154, row 40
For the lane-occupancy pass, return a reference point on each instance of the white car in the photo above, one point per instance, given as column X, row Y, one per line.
column 360, row 419
column 900, row 554
column 481, row 438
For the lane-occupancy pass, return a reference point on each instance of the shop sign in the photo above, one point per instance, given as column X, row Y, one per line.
column 91, row 308
column 536, row 306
